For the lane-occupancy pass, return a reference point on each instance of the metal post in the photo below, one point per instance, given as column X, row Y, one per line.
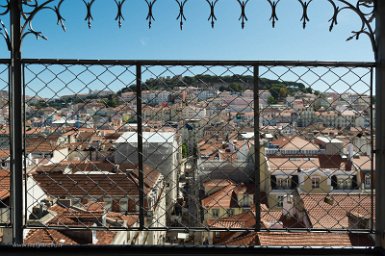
column 257, row 148
column 380, row 124
column 140, row 142
column 16, row 125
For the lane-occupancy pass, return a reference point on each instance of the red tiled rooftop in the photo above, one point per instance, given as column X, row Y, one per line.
column 5, row 184
column 48, row 236
column 113, row 184
column 305, row 239
column 335, row 215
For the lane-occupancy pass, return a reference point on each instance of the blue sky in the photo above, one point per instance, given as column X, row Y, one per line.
column 227, row 41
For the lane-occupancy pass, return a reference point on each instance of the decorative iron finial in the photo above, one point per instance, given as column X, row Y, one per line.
column 4, row 33
column 119, row 15
column 89, row 17
column 150, row 16
column 333, row 20
column 181, row 16
column 305, row 17
column 364, row 9
column 212, row 16
column 59, row 17
column 273, row 17
column 243, row 16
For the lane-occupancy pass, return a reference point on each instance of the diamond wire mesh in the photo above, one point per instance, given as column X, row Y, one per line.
column 4, row 147
column 198, row 150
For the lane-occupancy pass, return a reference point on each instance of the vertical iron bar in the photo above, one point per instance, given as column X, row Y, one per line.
column 380, row 124
column 16, row 125
column 25, row 177
column 257, row 148
column 140, row 142
column 372, row 201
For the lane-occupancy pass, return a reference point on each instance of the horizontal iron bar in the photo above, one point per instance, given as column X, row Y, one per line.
column 5, row 61
column 198, row 62
column 184, row 250
column 200, row 229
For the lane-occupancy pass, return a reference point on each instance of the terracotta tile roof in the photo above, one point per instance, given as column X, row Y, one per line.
column 40, row 145
column 313, row 239
column 292, row 164
column 131, row 220
column 226, row 196
column 5, row 184
column 114, row 184
column 222, row 198
column 269, row 219
column 294, row 143
column 305, row 239
column 85, row 135
column 47, row 236
column 335, row 215
column 243, row 220
column 57, row 237
column 217, row 183
column 363, row 162
column 4, row 154
column 105, row 237
column 241, row 239
column 331, row 162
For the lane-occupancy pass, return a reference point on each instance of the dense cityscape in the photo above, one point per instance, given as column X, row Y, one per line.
column 308, row 164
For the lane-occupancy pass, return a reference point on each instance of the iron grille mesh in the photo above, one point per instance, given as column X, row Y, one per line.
column 4, row 147
column 194, row 170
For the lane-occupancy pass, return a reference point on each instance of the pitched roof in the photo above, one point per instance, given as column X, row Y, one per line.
column 243, row 220
column 148, row 137
column 40, row 145
column 292, row 164
column 48, row 236
column 112, row 184
column 363, row 162
column 222, row 198
column 304, row 239
column 313, row 239
column 335, row 215
column 294, row 143
column 5, row 184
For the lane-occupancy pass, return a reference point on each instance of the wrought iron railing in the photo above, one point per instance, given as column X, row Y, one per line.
column 190, row 152
column 165, row 151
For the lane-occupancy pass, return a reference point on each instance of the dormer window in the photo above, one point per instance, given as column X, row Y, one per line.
column 315, row 182
column 246, row 201
column 344, row 183
column 284, row 183
column 368, row 181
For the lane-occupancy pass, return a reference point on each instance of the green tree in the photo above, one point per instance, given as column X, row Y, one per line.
column 184, row 150
column 283, row 91
column 112, row 101
column 271, row 100
column 236, row 87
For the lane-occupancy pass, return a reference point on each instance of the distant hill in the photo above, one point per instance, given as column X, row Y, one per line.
column 236, row 83
column 218, row 82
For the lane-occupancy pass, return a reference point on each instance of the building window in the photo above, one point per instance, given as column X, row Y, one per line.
column 280, row 201
column 230, row 212
column 368, row 181
column 344, row 183
column 246, row 201
column 215, row 213
column 315, row 182
column 283, row 183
